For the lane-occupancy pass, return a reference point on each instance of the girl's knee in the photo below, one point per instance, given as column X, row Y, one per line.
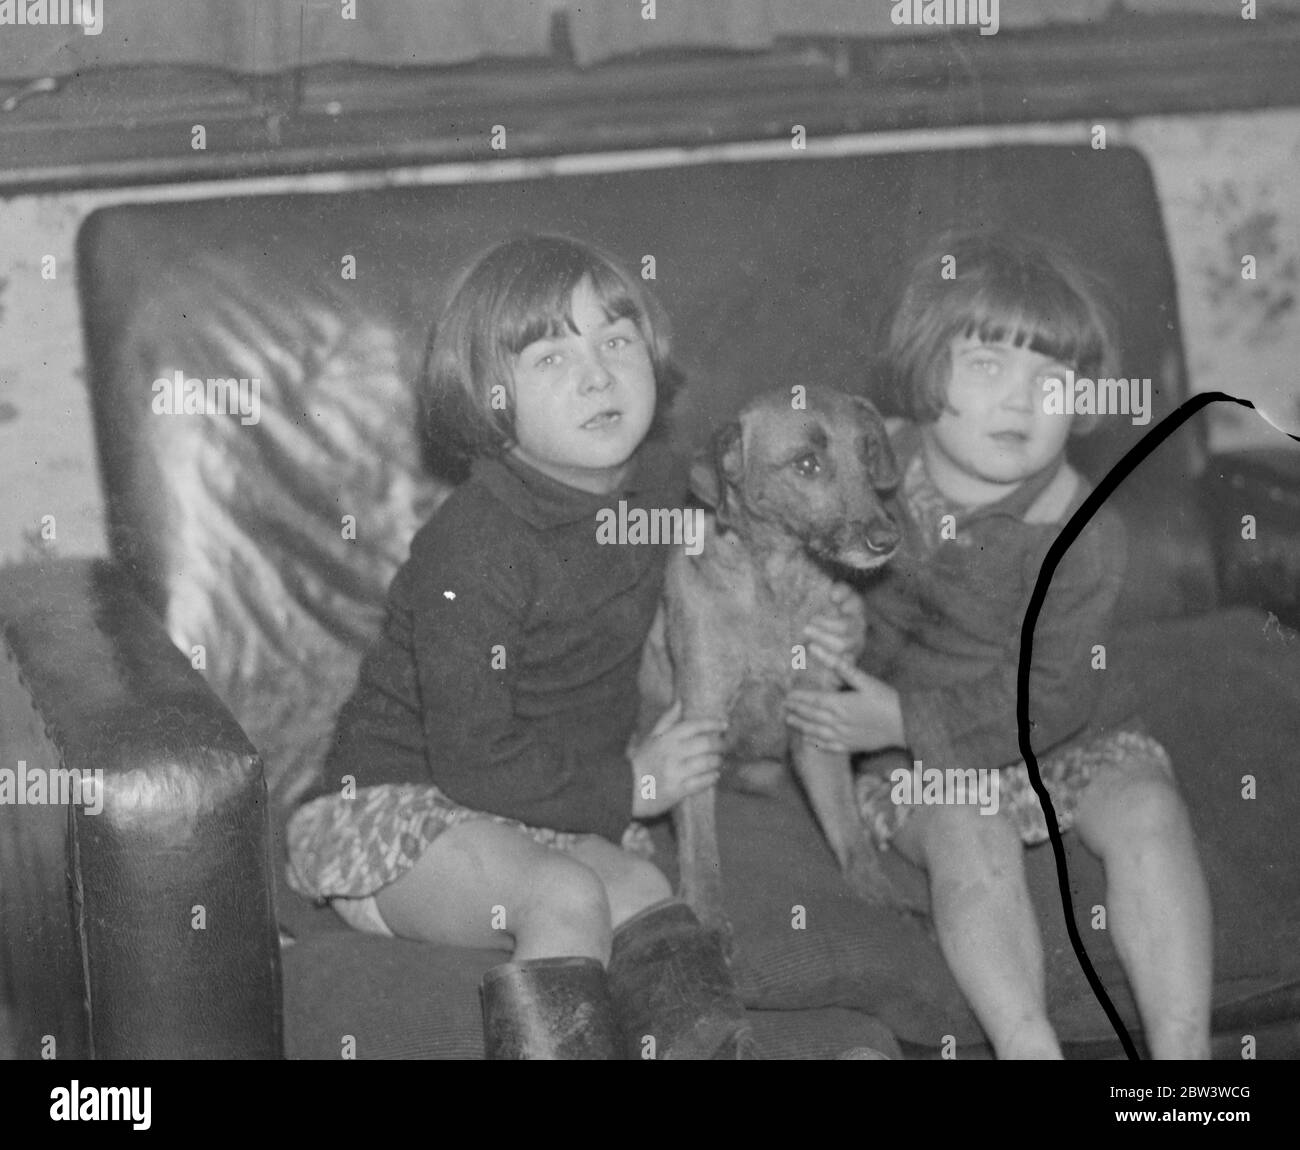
column 566, row 894
column 640, row 885
column 960, row 836
column 1155, row 807
column 970, row 856
column 1132, row 811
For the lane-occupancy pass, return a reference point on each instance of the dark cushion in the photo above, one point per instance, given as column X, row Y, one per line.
column 878, row 963
column 376, row 998
column 1261, row 566
column 887, row 965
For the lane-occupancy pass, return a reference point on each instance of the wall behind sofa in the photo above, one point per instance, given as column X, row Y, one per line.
column 1226, row 184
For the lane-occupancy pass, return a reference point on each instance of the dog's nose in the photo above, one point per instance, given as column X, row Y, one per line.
column 883, row 536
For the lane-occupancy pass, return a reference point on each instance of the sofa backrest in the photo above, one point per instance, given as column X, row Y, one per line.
column 267, row 546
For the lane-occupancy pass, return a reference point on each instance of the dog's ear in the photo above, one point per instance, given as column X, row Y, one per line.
column 717, row 469
column 882, row 467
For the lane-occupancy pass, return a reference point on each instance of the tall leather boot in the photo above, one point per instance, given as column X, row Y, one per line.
column 556, row 1008
column 670, row 983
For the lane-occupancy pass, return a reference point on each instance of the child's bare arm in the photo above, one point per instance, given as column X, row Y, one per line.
column 867, row 717
column 678, row 758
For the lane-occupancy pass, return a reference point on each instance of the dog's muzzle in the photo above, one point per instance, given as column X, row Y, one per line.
column 860, row 546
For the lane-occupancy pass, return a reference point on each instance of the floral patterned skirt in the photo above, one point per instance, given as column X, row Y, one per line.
column 1066, row 774
column 352, row 847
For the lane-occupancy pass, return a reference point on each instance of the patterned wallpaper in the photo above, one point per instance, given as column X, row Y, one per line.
column 1230, row 187
column 1227, row 182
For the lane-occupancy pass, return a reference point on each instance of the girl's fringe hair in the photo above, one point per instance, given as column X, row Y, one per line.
column 1005, row 289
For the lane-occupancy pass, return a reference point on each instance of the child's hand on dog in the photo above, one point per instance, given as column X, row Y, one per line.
column 866, row 717
column 680, row 757
column 845, row 632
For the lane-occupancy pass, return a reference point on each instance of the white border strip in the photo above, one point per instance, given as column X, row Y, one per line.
column 1077, row 133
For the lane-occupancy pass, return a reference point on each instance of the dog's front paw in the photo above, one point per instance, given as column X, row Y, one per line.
column 724, row 935
column 716, row 923
column 712, row 918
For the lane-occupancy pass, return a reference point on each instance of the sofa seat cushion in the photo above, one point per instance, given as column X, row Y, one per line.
column 1243, row 672
column 362, row 996
column 842, row 955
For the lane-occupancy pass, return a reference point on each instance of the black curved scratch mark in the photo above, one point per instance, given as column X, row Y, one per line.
column 1078, row 521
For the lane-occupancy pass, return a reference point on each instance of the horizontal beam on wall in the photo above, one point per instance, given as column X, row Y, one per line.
column 136, row 126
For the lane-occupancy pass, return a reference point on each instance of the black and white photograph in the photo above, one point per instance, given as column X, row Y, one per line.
column 727, row 530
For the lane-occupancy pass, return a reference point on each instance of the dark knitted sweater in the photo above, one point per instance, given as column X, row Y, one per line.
column 945, row 620
column 506, row 672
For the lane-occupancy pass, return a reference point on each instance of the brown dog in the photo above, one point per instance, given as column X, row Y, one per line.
column 794, row 488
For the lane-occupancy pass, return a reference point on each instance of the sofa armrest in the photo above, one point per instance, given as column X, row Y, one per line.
column 136, row 916
column 1258, row 560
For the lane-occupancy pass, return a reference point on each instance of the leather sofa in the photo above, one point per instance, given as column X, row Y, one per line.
column 201, row 663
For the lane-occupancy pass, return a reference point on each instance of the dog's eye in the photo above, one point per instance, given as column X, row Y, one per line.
column 807, row 465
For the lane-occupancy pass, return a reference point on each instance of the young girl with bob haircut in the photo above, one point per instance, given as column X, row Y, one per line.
column 488, row 736
column 986, row 490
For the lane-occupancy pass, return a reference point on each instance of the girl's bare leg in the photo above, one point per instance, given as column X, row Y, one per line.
column 1159, row 905
column 482, row 884
column 632, row 884
column 985, row 922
